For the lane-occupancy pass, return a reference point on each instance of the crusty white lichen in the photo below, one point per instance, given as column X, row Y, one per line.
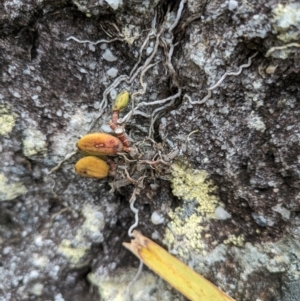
column 64, row 141
column 113, row 288
column 286, row 21
column 7, row 121
column 90, row 231
column 92, row 226
column 75, row 254
column 34, row 142
column 10, row 191
column 256, row 122
column 199, row 203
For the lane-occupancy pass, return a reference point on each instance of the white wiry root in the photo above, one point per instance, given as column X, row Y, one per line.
column 168, row 50
column 281, row 47
column 199, row 102
column 130, row 234
column 140, row 92
column 135, row 211
column 221, row 80
column 233, row 73
column 135, row 278
column 150, row 34
column 154, row 114
column 94, row 43
column 140, row 71
column 178, row 16
column 168, row 46
column 146, row 104
column 67, row 157
column 133, row 74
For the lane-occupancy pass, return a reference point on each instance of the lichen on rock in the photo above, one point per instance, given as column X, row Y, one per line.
column 7, row 121
column 34, row 142
column 286, row 21
column 193, row 185
column 74, row 254
column 10, row 191
column 114, row 287
column 77, row 248
column 248, row 142
column 198, row 203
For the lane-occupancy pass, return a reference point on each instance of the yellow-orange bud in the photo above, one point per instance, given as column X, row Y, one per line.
column 98, row 144
column 92, row 167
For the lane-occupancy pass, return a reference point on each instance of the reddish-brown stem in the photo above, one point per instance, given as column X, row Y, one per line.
column 123, row 137
column 112, row 125
column 119, row 131
column 112, row 167
column 115, row 117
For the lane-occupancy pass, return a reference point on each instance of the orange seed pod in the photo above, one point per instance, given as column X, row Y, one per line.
column 92, row 167
column 98, row 144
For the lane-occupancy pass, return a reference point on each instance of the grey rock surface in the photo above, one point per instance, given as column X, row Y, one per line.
column 61, row 234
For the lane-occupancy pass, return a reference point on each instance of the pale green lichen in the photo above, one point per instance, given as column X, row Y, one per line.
column 74, row 254
column 199, row 203
column 37, row 289
column 286, row 21
column 130, row 33
column 34, row 142
column 7, row 121
column 92, row 226
column 113, row 288
column 83, row 8
column 10, row 191
column 89, row 232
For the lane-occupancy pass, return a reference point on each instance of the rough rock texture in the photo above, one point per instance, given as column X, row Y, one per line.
column 61, row 234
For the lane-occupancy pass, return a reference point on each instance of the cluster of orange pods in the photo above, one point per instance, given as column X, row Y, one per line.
column 96, row 146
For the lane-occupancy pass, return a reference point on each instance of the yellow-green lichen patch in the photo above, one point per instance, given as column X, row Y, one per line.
column 34, row 142
column 184, row 233
column 74, row 254
column 10, row 191
column 192, row 185
column 7, row 121
column 238, row 241
column 193, row 188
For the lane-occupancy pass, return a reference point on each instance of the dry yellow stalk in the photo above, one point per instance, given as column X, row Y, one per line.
column 175, row 272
